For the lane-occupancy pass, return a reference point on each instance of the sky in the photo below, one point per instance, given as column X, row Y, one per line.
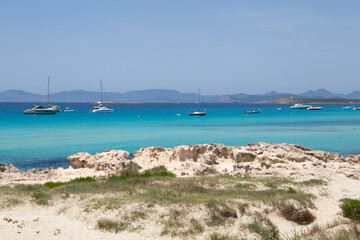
column 222, row 46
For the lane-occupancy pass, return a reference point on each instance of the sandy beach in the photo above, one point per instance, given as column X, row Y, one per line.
column 209, row 191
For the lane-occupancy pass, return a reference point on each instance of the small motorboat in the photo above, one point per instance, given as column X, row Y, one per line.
column 252, row 111
column 198, row 112
column 299, row 106
column 314, row 108
column 356, row 108
column 68, row 110
column 347, row 107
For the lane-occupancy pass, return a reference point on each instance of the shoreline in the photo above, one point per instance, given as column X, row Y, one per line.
column 184, row 160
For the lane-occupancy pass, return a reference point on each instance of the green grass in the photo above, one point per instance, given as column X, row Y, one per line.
column 248, row 159
column 350, row 208
column 218, row 236
column 41, row 198
column 155, row 172
column 264, row 164
column 11, row 202
column 158, row 186
column 52, row 185
column 106, row 203
column 111, row 225
column 265, row 233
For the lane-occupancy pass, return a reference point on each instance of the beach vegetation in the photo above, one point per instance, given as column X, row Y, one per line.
column 264, row 228
column 248, row 158
column 245, row 186
column 350, row 208
column 11, row 202
column 312, row 182
column 195, row 227
column 106, row 203
column 127, row 174
column 41, row 197
column 219, row 236
column 219, row 212
column 52, row 185
column 172, row 224
column 299, row 216
column 112, row 225
column 264, row 164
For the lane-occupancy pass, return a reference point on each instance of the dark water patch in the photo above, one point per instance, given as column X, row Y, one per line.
column 44, row 163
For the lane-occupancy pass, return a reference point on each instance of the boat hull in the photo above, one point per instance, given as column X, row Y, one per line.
column 102, row 111
column 197, row 113
column 43, row 112
column 314, row 109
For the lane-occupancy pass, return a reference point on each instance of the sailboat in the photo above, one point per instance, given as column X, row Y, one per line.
column 100, row 108
column 198, row 112
column 43, row 109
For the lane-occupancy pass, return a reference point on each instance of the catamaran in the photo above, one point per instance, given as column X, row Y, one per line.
column 40, row 109
column 100, row 108
column 199, row 111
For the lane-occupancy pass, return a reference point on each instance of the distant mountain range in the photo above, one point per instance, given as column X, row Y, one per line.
column 166, row 96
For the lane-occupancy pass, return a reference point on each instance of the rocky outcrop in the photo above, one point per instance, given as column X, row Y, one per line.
column 261, row 159
column 111, row 162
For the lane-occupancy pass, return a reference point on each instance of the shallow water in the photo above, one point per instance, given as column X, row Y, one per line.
column 29, row 141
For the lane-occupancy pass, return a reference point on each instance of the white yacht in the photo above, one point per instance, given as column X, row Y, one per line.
column 100, row 108
column 40, row 109
column 199, row 111
column 299, row 106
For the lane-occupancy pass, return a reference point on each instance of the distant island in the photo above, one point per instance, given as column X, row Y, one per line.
column 174, row 96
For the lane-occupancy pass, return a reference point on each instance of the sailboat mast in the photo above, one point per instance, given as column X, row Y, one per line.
column 48, row 91
column 102, row 95
column 199, row 98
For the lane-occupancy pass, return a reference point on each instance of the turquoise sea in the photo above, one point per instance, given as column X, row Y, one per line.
column 29, row 141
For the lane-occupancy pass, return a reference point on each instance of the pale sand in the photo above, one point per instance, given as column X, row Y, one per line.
column 39, row 222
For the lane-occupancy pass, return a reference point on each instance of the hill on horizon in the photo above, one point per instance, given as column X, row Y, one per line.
column 165, row 96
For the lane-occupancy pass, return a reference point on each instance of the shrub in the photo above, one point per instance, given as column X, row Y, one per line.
column 300, row 216
column 266, row 233
column 110, row 225
column 160, row 171
column 219, row 212
column 350, row 208
column 264, row 164
column 41, row 198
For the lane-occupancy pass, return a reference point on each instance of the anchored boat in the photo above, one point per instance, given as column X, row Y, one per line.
column 40, row 109
column 100, row 108
column 252, row 111
column 199, row 111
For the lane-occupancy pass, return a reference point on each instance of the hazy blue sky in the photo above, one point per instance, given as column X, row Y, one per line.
column 219, row 46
